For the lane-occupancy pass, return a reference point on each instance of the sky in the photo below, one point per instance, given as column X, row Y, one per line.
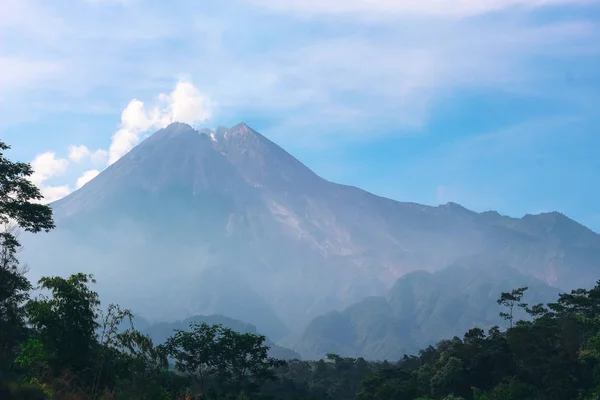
column 492, row 104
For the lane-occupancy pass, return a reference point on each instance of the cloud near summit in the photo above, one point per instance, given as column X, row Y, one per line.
column 309, row 74
column 184, row 104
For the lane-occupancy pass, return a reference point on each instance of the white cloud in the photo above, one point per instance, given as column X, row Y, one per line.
column 122, row 142
column 187, row 104
column 134, row 121
column 343, row 78
column 86, row 177
column 53, row 193
column 78, row 153
column 393, row 8
column 81, row 153
column 99, row 157
column 184, row 104
column 47, row 166
column 259, row 76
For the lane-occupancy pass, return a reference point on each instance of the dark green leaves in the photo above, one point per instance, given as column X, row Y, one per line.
column 19, row 197
column 510, row 300
column 19, row 209
column 239, row 362
column 66, row 322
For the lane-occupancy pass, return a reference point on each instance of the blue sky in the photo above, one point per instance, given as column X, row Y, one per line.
column 494, row 104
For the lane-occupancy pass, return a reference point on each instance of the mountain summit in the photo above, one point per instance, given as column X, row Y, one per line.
column 227, row 222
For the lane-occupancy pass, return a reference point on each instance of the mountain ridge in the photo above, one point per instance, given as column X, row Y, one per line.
column 245, row 128
column 418, row 310
column 183, row 209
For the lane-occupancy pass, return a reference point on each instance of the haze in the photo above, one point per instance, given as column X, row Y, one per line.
column 330, row 172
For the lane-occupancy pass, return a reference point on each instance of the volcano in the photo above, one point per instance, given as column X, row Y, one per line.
column 226, row 222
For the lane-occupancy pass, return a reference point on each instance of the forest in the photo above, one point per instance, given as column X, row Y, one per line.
column 57, row 341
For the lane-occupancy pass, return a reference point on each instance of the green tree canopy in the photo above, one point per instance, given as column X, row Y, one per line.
column 19, row 200
column 238, row 362
column 66, row 321
column 19, row 209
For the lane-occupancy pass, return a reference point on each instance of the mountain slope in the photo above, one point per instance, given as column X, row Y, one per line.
column 420, row 309
column 227, row 222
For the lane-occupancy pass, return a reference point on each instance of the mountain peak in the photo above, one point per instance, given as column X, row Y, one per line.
column 241, row 125
column 456, row 208
column 454, row 205
column 174, row 129
column 241, row 129
column 178, row 125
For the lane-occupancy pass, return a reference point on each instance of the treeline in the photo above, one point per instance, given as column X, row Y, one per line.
column 62, row 345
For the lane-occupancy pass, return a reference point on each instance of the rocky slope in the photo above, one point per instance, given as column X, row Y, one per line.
column 227, row 222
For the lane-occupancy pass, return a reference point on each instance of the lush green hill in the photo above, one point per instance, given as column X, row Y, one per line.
column 420, row 309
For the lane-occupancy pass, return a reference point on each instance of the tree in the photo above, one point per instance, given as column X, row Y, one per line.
column 537, row 311
column 582, row 306
column 66, row 322
column 109, row 336
column 19, row 208
column 244, row 363
column 140, row 367
column 239, row 362
column 510, row 300
column 195, row 352
column 449, row 378
column 32, row 358
column 18, row 200
column 14, row 291
column 386, row 384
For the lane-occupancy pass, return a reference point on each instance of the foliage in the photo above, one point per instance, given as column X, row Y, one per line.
column 19, row 200
column 19, row 209
column 14, row 290
column 554, row 356
column 238, row 361
column 66, row 322
column 60, row 345
column 510, row 301
column 32, row 358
